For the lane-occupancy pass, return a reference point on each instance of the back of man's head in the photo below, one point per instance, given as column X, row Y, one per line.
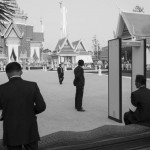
column 140, row 79
column 59, row 65
column 13, row 67
column 80, row 62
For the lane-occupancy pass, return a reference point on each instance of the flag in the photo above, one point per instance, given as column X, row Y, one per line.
column 60, row 4
column 64, row 20
column 13, row 56
column 35, row 57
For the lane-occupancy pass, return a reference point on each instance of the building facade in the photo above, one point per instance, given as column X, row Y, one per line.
column 18, row 41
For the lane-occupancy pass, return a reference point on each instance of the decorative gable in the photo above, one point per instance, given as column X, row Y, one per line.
column 79, row 48
column 66, row 45
column 133, row 25
column 13, row 34
column 13, row 30
column 125, row 33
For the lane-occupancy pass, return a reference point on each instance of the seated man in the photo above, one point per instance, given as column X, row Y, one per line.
column 141, row 100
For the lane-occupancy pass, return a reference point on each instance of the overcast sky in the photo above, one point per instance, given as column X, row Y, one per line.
column 85, row 18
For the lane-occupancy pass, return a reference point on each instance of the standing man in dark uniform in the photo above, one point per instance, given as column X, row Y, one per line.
column 79, row 82
column 60, row 72
column 141, row 100
column 20, row 102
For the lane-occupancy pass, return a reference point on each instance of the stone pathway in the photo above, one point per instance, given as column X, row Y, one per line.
column 60, row 114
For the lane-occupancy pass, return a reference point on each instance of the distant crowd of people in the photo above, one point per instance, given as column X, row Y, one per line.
column 21, row 101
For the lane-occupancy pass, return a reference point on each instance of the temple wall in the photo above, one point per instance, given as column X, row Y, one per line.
column 148, row 56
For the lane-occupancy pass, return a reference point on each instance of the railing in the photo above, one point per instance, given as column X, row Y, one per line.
column 3, row 56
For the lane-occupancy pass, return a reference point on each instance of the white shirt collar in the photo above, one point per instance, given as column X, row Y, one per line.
column 15, row 76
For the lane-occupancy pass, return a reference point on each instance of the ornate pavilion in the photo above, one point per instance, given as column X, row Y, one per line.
column 134, row 26
column 18, row 41
column 69, row 53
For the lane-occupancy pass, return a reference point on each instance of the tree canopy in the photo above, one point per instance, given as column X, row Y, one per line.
column 138, row 8
column 6, row 12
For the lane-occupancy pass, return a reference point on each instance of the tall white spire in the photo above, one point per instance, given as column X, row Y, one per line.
column 42, row 26
column 64, row 20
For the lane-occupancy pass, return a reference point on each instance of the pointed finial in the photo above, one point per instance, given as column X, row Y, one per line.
column 60, row 4
column 41, row 21
column 116, row 4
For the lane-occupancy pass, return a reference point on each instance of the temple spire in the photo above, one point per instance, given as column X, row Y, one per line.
column 64, row 20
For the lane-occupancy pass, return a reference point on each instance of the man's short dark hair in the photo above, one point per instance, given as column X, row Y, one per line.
column 13, row 66
column 141, row 79
column 80, row 62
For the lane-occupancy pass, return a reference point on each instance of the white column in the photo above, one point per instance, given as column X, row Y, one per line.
column 58, row 59
column 9, row 52
column 148, row 56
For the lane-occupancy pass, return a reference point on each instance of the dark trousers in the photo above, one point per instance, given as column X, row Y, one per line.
column 78, row 97
column 31, row 146
column 61, row 78
column 129, row 118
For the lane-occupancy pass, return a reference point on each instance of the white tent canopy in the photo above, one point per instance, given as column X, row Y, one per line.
column 85, row 58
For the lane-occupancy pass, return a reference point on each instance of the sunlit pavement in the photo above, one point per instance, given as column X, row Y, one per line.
column 60, row 114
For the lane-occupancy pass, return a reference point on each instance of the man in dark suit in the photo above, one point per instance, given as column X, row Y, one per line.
column 79, row 82
column 141, row 100
column 60, row 72
column 20, row 102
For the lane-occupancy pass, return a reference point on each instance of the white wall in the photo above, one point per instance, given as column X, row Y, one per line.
column 148, row 56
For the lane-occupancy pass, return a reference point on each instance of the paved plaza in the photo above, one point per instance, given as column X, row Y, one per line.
column 60, row 114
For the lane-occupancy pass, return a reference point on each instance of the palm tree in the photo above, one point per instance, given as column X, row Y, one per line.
column 6, row 12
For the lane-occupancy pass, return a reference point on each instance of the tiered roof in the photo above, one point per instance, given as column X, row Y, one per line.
column 79, row 48
column 64, row 47
column 133, row 25
column 22, row 30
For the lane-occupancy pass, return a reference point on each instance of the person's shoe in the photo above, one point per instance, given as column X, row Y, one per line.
column 82, row 110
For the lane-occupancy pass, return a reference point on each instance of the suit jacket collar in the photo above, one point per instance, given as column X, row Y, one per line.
column 15, row 78
column 80, row 67
column 143, row 87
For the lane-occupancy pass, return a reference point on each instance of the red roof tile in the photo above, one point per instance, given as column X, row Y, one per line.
column 59, row 44
column 75, row 43
column 38, row 37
